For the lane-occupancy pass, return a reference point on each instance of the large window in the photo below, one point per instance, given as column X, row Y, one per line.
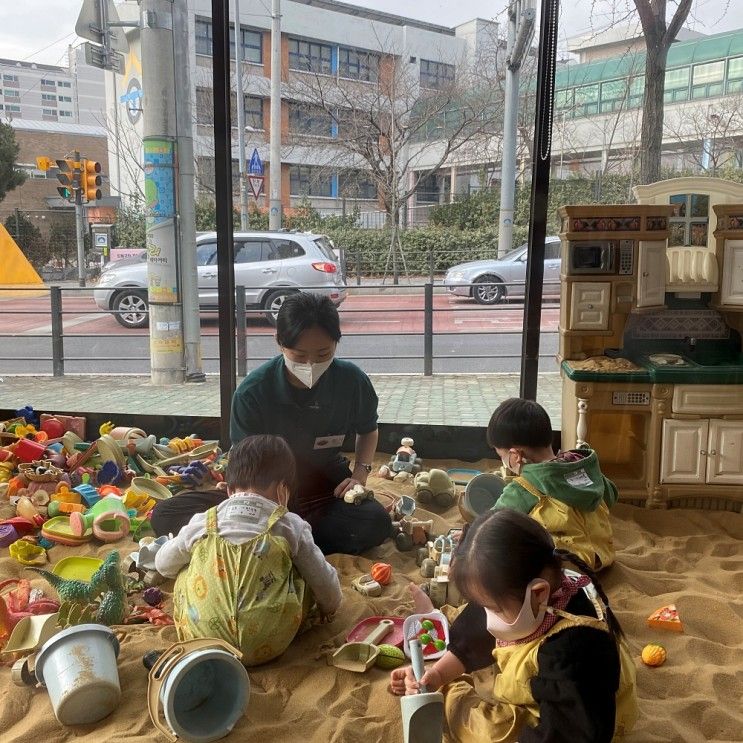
column 677, row 85
column 306, row 180
column 436, row 75
column 614, row 95
column 735, row 75
column 563, row 99
column 203, row 36
column 312, row 120
column 252, row 47
column 358, row 65
column 707, row 79
column 204, row 106
column 587, row 100
column 310, row 56
column 252, row 109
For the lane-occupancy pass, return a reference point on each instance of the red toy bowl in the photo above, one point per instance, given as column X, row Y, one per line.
column 361, row 631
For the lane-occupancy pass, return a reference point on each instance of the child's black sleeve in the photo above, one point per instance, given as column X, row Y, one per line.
column 470, row 640
column 576, row 688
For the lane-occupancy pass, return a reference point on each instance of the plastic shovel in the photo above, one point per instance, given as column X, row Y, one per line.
column 360, row 656
column 422, row 713
column 31, row 633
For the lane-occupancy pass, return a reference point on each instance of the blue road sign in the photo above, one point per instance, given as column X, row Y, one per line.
column 256, row 165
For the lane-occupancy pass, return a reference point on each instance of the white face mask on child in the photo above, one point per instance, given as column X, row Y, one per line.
column 307, row 374
column 525, row 624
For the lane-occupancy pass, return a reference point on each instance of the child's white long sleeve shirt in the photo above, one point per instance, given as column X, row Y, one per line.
column 244, row 516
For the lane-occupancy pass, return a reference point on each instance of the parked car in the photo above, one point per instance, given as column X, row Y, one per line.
column 271, row 265
column 493, row 281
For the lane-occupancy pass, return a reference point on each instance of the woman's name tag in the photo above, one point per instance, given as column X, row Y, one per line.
column 329, row 442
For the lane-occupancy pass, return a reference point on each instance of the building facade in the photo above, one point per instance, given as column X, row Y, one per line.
column 321, row 39
column 73, row 94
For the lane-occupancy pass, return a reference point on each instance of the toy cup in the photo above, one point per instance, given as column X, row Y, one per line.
column 108, row 519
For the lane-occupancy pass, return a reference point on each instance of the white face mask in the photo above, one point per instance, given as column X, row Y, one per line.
column 307, row 374
column 525, row 624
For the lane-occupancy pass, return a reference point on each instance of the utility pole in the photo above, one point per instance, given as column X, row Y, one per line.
column 520, row 33
column 79, row 222
column 186, row 177
column 240, row 119
column 159, row 143
column 274, row 203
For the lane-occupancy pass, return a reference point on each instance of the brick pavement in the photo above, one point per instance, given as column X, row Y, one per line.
column 444, row 399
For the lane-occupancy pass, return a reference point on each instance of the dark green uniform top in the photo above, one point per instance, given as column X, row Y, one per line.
column 313, row 421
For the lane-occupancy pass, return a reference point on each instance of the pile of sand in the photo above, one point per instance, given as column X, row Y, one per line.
column 692, row 558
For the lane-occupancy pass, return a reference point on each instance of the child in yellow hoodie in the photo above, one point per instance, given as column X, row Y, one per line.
column 566, row 493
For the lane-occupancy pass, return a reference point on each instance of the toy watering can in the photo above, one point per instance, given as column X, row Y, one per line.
column 108, row 519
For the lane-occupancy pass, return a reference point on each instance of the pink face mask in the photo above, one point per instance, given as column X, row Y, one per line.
column 525, row 624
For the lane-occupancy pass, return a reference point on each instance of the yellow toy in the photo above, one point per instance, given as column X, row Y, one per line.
column 654, row 655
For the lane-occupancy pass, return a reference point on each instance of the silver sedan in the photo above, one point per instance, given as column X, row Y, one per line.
column 493, row 281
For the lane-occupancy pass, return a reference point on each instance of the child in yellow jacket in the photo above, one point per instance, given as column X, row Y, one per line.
column 562, row 672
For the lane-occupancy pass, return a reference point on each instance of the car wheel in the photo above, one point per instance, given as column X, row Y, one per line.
column 132, row 310
column 486, row 292
column 273, row 302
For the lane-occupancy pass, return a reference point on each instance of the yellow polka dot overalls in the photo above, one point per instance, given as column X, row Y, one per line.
column 249, row 594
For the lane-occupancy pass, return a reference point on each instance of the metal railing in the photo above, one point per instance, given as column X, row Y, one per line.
column 247, row 339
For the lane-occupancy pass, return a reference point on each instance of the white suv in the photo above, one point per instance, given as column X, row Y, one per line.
column 270, row 265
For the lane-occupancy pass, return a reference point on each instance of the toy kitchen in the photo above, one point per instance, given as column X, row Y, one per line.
column 650, row 350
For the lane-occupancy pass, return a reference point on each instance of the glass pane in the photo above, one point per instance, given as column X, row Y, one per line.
column 699, row 233
column 678, row 78
column 735, row 86
column 206, row 254
column 586, row 94
column 613, row 90
column 637, row 85
column 709, row 73
column 678, row 233
column 699, row 205
column 679, row 200
column 564, row 98
column 735, row 68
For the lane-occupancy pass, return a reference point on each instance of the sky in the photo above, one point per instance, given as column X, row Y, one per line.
column 40, row 30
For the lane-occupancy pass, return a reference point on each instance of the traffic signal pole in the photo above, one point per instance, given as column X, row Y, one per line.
column 167, row 365
column 79, row 225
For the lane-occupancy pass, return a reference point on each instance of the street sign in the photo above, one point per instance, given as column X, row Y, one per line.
column 89, row 25
column 255, row 167
column 95, row 57
column 256, row 185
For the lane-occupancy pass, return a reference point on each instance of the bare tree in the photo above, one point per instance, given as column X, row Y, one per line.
column 709, row 135
column 400, row 125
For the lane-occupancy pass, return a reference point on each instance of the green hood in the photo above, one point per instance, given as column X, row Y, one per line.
column 579, row 484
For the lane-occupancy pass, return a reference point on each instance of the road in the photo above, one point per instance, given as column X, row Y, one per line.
column 382, row 333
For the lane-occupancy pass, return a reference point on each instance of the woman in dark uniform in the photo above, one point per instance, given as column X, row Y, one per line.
column 314, row 401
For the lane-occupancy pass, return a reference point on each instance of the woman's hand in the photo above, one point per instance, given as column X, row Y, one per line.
column 403, row 681
column 348, row 484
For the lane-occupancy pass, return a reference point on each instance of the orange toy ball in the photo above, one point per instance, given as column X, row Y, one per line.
column 654, row 655
column 382, row 573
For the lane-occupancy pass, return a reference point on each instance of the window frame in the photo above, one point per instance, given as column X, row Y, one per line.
column 247, row 47
column 361, row 64
column 436, row 74
column 205, row 39
column 298, row 54
column 306, row 120
column 304, row 174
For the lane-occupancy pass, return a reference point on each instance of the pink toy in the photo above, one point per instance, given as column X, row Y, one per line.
column 108, row 519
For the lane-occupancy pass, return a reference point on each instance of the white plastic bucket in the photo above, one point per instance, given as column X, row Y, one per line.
column 203, row 689
column 78, row 668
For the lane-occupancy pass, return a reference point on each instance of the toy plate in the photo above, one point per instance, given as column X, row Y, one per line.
column 361, row 631
column 59, row 530
column 77, row 568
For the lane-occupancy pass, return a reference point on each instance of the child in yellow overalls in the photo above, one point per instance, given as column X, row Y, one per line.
column 248, row 570
column 567, row 493
column 562, row 672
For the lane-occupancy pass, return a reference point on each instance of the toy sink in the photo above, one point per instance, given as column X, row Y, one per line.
column 77, row 567
column 31, row 633
column 360, row 656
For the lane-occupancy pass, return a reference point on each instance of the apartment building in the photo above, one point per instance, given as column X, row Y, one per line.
column 320, row 38
column 71, row 94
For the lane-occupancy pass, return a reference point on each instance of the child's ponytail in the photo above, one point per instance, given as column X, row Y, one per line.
column 614, row 627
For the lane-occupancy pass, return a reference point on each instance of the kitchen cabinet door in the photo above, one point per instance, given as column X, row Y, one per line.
column 725, row 455
column 684, row 451
column 732, row 273
column 589, row 305
column 651, row 274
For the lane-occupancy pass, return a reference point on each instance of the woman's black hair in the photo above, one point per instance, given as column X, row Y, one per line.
column 258, row 462
column 504, row 550
column 518, row 422
column 302, row 311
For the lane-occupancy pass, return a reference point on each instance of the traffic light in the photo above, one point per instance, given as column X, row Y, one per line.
column 69, row 178
column 91, row 180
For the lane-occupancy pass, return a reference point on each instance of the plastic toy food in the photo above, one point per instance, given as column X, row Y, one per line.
column 666, row 618
column 431, row 630
column 389, row 657
column 381, row 572
column 653, row 655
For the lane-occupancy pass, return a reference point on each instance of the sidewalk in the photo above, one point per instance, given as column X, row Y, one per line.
column 444, row 399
